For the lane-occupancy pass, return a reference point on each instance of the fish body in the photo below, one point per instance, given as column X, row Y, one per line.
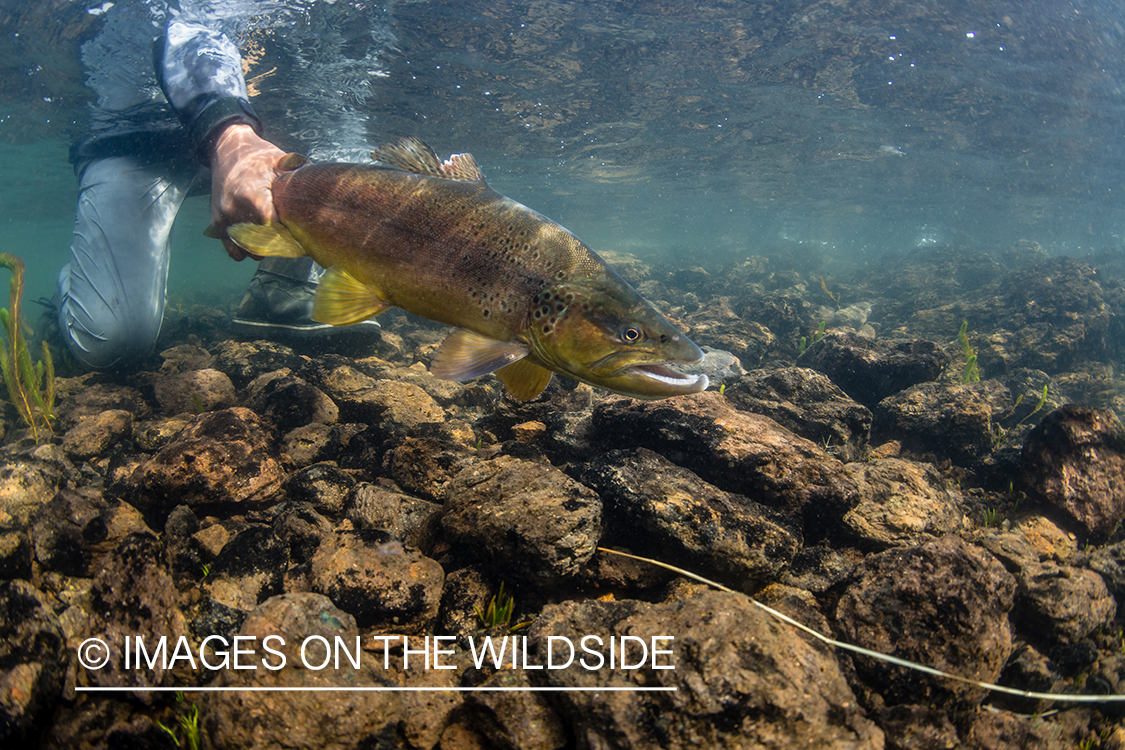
column 527, row 296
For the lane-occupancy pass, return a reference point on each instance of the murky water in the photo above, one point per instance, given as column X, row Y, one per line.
column 684, row 132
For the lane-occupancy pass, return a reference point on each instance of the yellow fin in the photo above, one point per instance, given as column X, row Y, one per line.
column 524, row 379
column 415, row 156
column 271, row 240
column 341, row 299
column 291, row 161
column 465, row 354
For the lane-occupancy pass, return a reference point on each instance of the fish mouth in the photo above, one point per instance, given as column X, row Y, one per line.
column 662, row 373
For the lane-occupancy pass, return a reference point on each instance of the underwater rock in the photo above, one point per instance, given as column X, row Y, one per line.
column 943, row 604
column 325, row 486
column 302, row 717
column 249, row 569
column 387, row 587
column 96, row 398
column 804, row 401
column 1075, row 461
column 411, row 520
column 33, row 663
column 739, row 452
column 15, row 549
column 782, row 314
column 870, row 370
column 362, row 398
column 290, row 403
column 466, row 592
column 1062, row 603
column 423, row 466
column 93, row 435
column 818, row 569
column 1109, row 563
column 512, row 718
column 181, row 553
column 244, row 361
column 480, row 392
column 653, row 505
column 134, row 596
column 302, row 530
column 194, row 392
column 225, row 459
column 77, row 528
column 716, row 326
column 901, row 503
column 316, row 443
column 1057, row 313
column 943, row 420
column 741, row 676
column 911, row 727
column 27, row 482
column 153, row 434
column 524, row 516
column 1005, row 731
column 1032, row 671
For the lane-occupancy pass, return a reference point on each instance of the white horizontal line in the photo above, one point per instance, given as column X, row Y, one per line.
column 373, row 689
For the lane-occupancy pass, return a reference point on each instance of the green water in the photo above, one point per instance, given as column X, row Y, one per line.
column 687, row 133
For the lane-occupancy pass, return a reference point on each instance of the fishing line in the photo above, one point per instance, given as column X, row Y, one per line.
column 875, row 654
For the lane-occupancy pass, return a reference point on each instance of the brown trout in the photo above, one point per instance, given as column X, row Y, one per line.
column 527, row 296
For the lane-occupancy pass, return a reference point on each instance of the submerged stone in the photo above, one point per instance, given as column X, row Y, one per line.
column 870, row 370
column 741, row 675
column 1075, row 461
column 739, row 452
column 656, row 508
column 943, row 604
column 523, row 516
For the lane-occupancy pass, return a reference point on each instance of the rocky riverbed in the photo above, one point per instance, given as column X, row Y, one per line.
column 853, row 475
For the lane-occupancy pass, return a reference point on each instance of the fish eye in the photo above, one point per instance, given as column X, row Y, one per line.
column 632, row 335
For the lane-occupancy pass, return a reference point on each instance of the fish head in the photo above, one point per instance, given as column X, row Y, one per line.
column 602, row 332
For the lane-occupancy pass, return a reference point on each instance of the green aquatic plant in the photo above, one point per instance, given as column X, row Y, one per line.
column 1038, row 407
column 189, row 725
column 970, row 374
column 31, row 388
column 818, row 334
column 499, row 612
column 834, row 297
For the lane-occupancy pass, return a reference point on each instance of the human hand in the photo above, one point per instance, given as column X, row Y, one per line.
column 243, row 167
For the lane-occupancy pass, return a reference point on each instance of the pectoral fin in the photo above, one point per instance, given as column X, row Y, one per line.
column 464, row 355
column 341, row 299
column 524, row 379
column 272, row 240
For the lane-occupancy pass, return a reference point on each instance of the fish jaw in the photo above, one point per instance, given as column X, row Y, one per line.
column 655, row 381
column 609, row 337
column 635, row 373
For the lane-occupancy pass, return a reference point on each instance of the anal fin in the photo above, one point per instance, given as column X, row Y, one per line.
column 270, row 240
column 342, row 299
column 465, row 355
column 524, row 379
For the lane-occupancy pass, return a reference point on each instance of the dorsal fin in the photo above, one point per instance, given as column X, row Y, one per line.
column 461, row 167
column 415, row 156
column 410, row 155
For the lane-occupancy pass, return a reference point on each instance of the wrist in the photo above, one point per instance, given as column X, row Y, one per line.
column 220, row 115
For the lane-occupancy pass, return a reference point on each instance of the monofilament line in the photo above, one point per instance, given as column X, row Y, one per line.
column 373, row 689
column 875, row 654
